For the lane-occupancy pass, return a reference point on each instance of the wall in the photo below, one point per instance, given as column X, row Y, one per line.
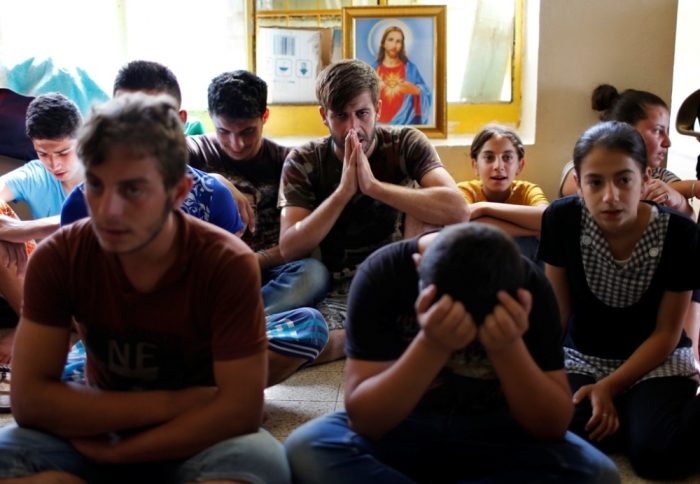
column 583, row 43
column 684, row 150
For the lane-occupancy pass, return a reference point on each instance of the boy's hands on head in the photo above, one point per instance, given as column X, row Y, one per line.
column 508, row 321
column 445, row 324
column 604, row 421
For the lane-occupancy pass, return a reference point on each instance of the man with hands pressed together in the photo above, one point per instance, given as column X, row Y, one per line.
column 170, row 313
column 454, row 373
column 346, row 194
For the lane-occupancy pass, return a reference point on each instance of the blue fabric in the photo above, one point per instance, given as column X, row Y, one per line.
column 488, row 447
column 299, row 333
column 34, row 184
column 36, row 76
column 257, row 458
column 407, row 112
column 209, row 200
column 298, row 284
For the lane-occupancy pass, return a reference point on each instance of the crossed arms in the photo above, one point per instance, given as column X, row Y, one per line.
column 157, row 425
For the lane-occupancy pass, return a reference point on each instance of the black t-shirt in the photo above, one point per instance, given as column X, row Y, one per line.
column 258, row 179
column 382, row 323
column 595, row 328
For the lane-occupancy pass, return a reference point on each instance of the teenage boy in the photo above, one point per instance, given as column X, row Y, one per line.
column 253, row 164
column 345, row 194
column 169, row 311
column 454, row 373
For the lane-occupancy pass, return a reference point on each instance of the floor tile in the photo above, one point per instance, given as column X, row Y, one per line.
column 287, row 415
column 308, row 385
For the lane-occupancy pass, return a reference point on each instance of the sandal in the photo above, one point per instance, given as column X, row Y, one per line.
column 5, row 389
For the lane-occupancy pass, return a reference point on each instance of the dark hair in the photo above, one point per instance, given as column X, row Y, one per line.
column 343, row 81
column 472, row 262
column 382, row 52
column 629, row 107
column 491, row 130
column 53, row 117
column 144, row 125
column 141, row 75
column 237, row 95
column 613, row 136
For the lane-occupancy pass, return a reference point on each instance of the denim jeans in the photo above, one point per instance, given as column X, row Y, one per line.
column 257, row 458
column 298, row 284
column 437, row 448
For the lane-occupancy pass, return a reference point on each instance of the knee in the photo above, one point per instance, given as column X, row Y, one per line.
column 316, row 275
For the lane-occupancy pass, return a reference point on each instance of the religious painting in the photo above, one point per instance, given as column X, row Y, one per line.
column 406, row 47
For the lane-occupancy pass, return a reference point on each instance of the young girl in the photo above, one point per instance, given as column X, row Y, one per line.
column 496, row 197
column 613, row 261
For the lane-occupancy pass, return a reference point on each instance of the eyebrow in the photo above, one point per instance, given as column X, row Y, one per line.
column 618, row 173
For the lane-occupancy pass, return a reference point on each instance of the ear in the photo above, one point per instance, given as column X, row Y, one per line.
column 323, row 115
column 378, row 109
column 475, row 167
column 265, row 115
column 521, row 165
column 578, row 185
column 183, row 116
column 181, row 190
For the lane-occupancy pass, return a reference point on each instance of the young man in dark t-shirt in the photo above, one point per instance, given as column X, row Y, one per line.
column 170, row 314
column 253, row 165
column 454, row 372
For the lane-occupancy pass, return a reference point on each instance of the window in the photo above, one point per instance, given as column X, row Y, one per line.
column 196, row 43
column 483, row 58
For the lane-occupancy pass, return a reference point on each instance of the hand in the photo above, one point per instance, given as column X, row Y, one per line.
column 507, row 323
column 445, row 323
column 663, row 194
column 365, row 177
column 13, row 254
column 245, row 210
column 409, row 88
column 604, row 421
column 101, row 449
column 348, row 178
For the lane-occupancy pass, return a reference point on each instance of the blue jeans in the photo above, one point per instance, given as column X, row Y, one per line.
column 299, row 284
column 257, row 458
column 437, row 448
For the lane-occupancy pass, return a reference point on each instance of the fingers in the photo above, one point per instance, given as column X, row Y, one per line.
column 5, row 254
column 508, row 321
column 249, row 217
column 605, row 425
column 20, row 259
column 425, row 299
column 582, row 393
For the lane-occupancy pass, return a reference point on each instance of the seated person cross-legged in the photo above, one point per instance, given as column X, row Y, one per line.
column 454, row 373
column 169, row 310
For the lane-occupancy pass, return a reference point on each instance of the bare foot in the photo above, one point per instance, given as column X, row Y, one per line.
column 6, row 347
column 335, row 349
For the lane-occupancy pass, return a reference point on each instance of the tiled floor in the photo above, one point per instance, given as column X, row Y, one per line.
column 319, row 390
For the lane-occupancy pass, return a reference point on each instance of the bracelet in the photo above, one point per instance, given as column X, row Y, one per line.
column 268, row 259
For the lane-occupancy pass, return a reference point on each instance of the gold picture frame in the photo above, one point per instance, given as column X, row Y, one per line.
column 406, row 45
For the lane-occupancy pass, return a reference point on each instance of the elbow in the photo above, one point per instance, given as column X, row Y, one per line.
column 461, row 212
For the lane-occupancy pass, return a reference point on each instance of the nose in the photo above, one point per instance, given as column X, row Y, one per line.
column 610, row 193
column 53, row 162
column 665, row 140
column 110, row 203
column 236, row 142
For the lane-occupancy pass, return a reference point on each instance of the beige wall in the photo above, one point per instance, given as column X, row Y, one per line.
column 583, row 43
